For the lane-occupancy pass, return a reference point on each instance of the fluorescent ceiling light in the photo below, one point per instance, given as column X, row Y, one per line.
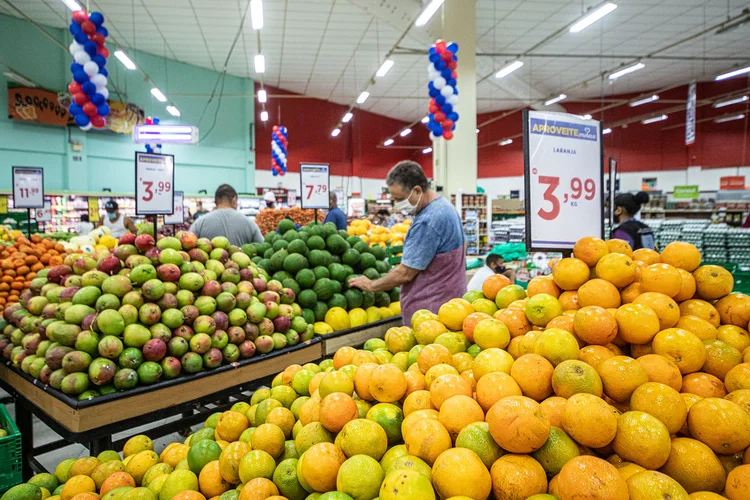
column 336, row 132
column 262, row 96
column 264, row 116
column 626, row 71
column 363, row 97
column 552, row 101
column 388, row 142
column 427, row 150
column 256, row 13
column 428, row 12
column 173, row 111
column 508, row 69
column 125, row 60
column 158, row 134
column 405, row 132
column 347, row 118
column 72, row 5
column 19, row 79
column 730, row 102
column 592, row 17
column 732, row 74
column 607, row 131
column 159, row 96
column 644, row 101
column 729, row 118
column 426, row 119
column 477, row 131
column 655, row 119
column 505, row 142
column 384, row 68
column 260, row 63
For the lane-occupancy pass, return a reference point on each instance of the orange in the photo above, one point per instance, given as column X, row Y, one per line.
column 495, row 386
column 554, row 408
column 713, row 282
column 738, row 377
column 569, row 300
column 665, row 308
column 506, row 296
column 453, row 313
column 702, row 309
column 491, row 333
column 738, row 483
column 319, row 465
column 460, row 471
column 516, row 320
column 517, row 477
column 598, row 292
column 259, row 488
column 616, row 268
column 662, row 402
column 231, row 425
column 415, row 381
column 468, row 327
column 734, row 309
column 704, row 385
column 642, row 439
column 542, row 308
column 446, row 386
column 626, row 469
column 630, row 292
column 269, row 438
column 427, row 439
column 683, row 255
column 362, row 380
column 493, row 284
column 589, row 420
column 685, row 349
column 437, row 371
column 543, row 284
column 636, row 323
column 417, row 400
column 194, row 495
column 698, row 327
column 594, row 354
column 590, row 250
column 210, row 480
column 518, row 424
column 493, row 360
column 336, row 410
column 283, row 419
column 661, row 278
column 647, row 256
column 661, row 369
column 573, row 377
column 591, row 478
column 82, row 496
column 638, row 350
column 740, row 397
column 115, row 481
column 652, row 484
column 693, row 465
column 229, row 461
column 433, row 355
column 687, row 286
column 387, row 383
column 400, row 339
column 77, row 484
column 594, row 325
column 531, row 373
column 617, row 245
column 556, row 345
column 570, row 273
column 563, row 322
column 621, row 376
column 459, row 411
column 721, row 424
column 734, row 335
column 343, row 357
column 430, row 329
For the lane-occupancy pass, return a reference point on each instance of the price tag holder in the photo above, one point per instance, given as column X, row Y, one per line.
column 564, row 177
column 44, row 214
column 314, row 184
column 154, row 184
column 93, row 209
column 28, row 187
column 178, row 215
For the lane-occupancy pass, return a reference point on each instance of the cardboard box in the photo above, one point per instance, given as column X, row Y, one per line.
column 507, row 204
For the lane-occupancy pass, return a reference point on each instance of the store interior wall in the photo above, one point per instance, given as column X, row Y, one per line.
column 223, row 155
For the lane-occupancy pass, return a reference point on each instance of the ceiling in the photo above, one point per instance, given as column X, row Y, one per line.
column 331, row 48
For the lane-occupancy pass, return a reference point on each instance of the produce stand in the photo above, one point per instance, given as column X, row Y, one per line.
column 356, row 337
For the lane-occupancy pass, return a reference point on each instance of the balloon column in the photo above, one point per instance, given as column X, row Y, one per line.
column 89, row 86
column 149, row 147
column 443, row 90
column 279, row 141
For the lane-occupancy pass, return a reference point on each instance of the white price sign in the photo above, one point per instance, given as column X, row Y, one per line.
column 154, row 184
column 564, row 176
column 44, row 214
column 178, row 215
column 314, row 180
column 28, row 187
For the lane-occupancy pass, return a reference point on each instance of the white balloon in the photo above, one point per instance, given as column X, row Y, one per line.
column 88, row 126
column 452, row 99
column 432, row 72
column 91, row 68
column 81, row 57
column 98, row 79
column 439, row 83
column 433, row 137
column 75, row 47
column 446, row 91
column 103, row 92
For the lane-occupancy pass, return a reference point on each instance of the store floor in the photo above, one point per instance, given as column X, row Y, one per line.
column 43, row 434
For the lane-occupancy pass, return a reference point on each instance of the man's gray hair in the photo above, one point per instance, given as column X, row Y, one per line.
column 408, row 174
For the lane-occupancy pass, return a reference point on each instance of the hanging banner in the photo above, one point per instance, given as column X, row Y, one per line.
column 690, row 115
column 686, row 192
column 154, row 184
column 732, row 182
column 93, row 209
column 564, row 176
column 314, row 184
column 178, row 216
column 28, row 187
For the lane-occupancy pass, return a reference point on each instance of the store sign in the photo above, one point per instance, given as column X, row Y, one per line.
column 178, row 214
column 690, row 115
column 3, row 204
column 93, row 209
column 340, row 198
column 314, row 185
column 154, row 184
column 355, row 207
column 686, row 192
column 44, row 214
column 28, row 187
column 292, row 197
column 564, row 179
column 732, row 182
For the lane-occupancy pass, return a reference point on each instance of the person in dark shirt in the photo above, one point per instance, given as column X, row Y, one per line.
column 635, row 232
column 335, row 214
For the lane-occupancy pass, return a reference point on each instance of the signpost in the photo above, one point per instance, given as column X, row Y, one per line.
column 28, row 190
column 314, row 186
column 154, row 184
column 178, row 214
column 686, row 192
column 564, row 176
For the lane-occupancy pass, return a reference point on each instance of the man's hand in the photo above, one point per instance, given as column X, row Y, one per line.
column 362, row 282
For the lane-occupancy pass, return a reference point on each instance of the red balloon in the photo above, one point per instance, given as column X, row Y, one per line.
column 448, row 135
column 448, row 124
column 103, row 51
column 439, row 116
column 74, row 88
column 98, row 39
column 446, row 56
column 440, row 46
column 149, row 120
column 275, row 128
column 90, row 109
column 80, row 16
column 88, row 27
column 434, row 108
column 454, row 75
column 80, row 98
column 98, row 121
column 452, row 64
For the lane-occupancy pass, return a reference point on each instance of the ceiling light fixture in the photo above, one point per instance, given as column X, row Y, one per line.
column 173, row 111
column 477, row 131
column 256, row 13
column 336, row 132
column 262, row 96
column 655, row 119
column 505, row 142
column 592, row 17
column 426, row 119
column 427, row 151
column 384, row 68
column 72, row 5
column 125, row 60
column 388, row 142
column 508, row 69
column 428, row 12
column 729, row 119
column 347, row 117
column 405, row 132
column 18, row 78
column 163, row 134
column 363, row 97
column 732, row 74
column 626, row 71
column 158, row 94
column 552, row 101
column 607, row 131
column 264, row 116
column 738, row 100
column 646, row 100
column 260, row 63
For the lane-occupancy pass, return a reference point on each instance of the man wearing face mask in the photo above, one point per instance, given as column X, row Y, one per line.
column 433, row 263
column 493, row 264
column 117, row 223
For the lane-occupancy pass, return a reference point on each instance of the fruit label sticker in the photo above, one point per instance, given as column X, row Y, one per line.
column 154, row 184
column 28, row 187
column 178, row 216
column 314, row 185
column 564, row 176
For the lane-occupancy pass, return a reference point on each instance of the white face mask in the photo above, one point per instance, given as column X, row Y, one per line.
column 405, row 206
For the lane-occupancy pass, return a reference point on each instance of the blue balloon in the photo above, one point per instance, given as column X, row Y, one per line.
column 453, row 116
column 99, row 59
column 81, row 37
column 75, row 28
column 430, row 85
column 440, row 65
column 440, row 100
column 88, row 88
column 438, row 131
column 74, row 109
column 90, row 48
column 434, row 93
column 75, row 68
column 156, row 121
column 452, row 82
column 97, row 18
column 103, row 109
column 98, row 99
column 102, row 31
column 82, row 120
column 431, row 116
column 103, row 71
column 446, row 72
column 447, row 108
column 275, row 173
column 81, row 77
column 453, row 47
column 453, row 127
column 454, row 58
column 434, row 58
column 432, row 51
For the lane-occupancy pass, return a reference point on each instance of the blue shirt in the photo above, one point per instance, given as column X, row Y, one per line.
column 436, row 230
column 337, row 216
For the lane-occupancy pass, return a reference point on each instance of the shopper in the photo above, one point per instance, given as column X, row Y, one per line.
column 335, row 214
column 117, row 223
column 226, row 221
column 635, row 232
column 84, row 227
column 433, row 263
column 493, row 264
column 270, row 200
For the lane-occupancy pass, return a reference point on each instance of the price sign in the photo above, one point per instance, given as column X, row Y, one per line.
column 3, row 204
column 93, row 209
column 44, row 214
column 178, row 215
column 28, row 187
column 564, row 173
column 314, row 180
column 154, row 184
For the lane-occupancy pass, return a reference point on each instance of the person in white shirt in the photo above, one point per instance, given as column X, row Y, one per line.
column 84, row 227
column 493, row 264
column 118, row 223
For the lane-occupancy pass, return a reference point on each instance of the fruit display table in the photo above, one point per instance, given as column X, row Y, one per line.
column 356, row 337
